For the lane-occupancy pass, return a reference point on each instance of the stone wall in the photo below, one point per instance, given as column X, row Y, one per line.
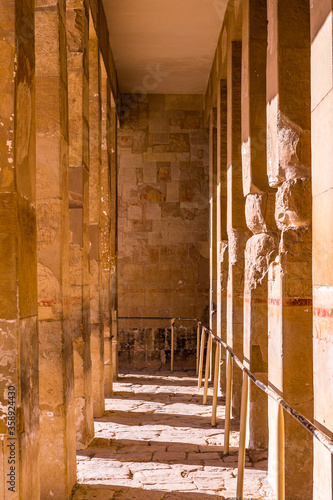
column 163, row 216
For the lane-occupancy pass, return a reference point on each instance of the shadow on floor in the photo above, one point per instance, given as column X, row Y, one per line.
column 187, row 379
column 109, row 492
column 163, row 397
column 134, row 418
column 129, row 451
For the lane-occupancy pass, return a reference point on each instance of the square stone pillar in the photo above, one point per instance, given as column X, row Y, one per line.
column 212, row 228
column 259, row 211
column 56, row 402
column 221, row 226
column 322, row 191
column 236, row 225
column 78, row 100
column 19, row 418
column 290, row 277
column 112, row 148
column 95, row 137
column 105, row 235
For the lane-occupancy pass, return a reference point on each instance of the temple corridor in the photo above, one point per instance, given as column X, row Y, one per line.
column 155, row 442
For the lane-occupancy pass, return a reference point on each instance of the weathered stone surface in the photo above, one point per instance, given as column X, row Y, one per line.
column 259, row 212
column 174, row 453
column 56, row 389
column 293, row 205
column 164, row 215
column 260, row 251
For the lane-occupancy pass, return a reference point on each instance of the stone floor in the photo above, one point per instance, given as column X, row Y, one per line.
column 155, row 441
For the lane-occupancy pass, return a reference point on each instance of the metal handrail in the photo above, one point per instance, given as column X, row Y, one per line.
column 173, row 320
column 305, row 422
column 283, row 405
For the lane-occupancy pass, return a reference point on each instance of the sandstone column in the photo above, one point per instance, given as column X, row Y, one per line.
column 112, row 147
column 221, row 225
column 18, row 276
column 97, row 335
column 78, row 99
column 322, row 191
column 290, row 280
column 57, row 419
column 259, row 211
column 212, row 228
column 105, row 213
column 236, row 225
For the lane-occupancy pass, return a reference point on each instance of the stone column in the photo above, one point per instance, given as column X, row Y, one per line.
column 105, row 235
column 261, row 248
column 78, row 99
column 322, row 191
column 97, row 335
column 57, row 419
column 236, row 225
column 221, row 225
column 112, row 147
column 212, row 229
column 18, row 276
column 290, row 280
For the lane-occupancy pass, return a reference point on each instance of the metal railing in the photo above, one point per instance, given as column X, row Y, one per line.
column 247, row 374
column 173, row 321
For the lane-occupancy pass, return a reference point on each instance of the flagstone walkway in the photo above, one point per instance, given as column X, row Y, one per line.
column 155, row 442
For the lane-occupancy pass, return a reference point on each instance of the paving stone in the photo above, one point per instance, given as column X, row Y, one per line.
column 155, row 442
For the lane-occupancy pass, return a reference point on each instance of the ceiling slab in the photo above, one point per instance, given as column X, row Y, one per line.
column 164, row 46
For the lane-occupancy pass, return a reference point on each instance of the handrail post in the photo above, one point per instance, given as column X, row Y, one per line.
column 227, row 405
column 202, row 350
column 280, row 466
column 172, row 342
column 216, row 382
column 242, row 438
column 208, row 353
column 198, row 347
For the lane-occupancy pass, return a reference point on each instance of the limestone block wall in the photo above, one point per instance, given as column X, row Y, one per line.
column 163, row 217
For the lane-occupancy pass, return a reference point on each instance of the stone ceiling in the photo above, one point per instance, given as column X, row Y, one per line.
column 164, row 46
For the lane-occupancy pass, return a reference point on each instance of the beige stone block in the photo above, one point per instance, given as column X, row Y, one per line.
column 26, row 265
column 149, row 172
column 175, row 174
column 47, row 48
column 157, row 238
column 153, row 157
column 47, row 104
column 173, row 191
column 47, row 166
column 127, row 176
column 130, row 160
column 97, row 364
column 133, row 272
column 135, row 212
column 8, row 272
column 322, row 487
column 158, row 122
column 322, row 239
column 183, row 102
column 321, row 55
column 322, row 148
column 153, row 211
column 49, row 294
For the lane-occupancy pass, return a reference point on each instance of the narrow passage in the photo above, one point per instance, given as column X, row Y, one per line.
column 155, row 442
